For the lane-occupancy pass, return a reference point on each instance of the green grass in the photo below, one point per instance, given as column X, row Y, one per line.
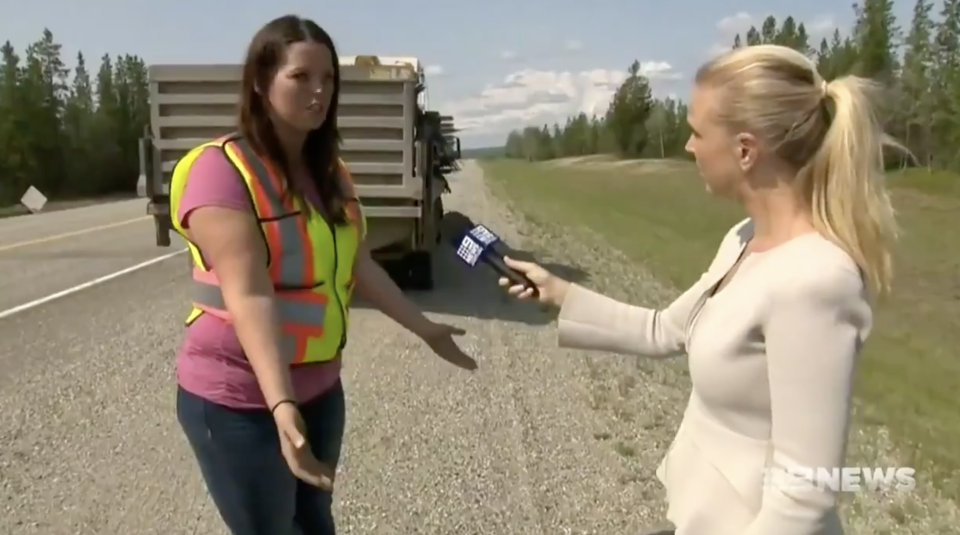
column 482, row 153
column 909, row 378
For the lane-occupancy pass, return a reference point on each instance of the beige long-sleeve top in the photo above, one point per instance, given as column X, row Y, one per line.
column 771, row 359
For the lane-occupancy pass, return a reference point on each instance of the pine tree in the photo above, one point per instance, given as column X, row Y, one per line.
column 768, row 31
column 60, row 134
column 946, row 83
column 877, row 40
column 915, row 82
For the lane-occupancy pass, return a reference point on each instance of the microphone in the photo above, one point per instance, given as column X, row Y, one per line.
column 475, row 243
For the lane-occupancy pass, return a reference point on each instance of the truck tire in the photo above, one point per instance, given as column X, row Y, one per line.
column 398, row 272
column 438, row 220
column 419, row 270
column 164, row 228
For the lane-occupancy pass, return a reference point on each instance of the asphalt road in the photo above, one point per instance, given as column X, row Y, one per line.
column 89, row 443
column 48, row 253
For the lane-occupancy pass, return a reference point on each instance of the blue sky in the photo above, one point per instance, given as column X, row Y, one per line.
column 494, row 64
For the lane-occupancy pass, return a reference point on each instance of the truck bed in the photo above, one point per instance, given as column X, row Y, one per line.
column 192, row 104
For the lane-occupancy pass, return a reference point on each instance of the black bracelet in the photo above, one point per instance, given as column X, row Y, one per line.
column 281, row 402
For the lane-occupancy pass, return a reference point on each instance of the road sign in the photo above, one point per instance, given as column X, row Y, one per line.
column 33, row 200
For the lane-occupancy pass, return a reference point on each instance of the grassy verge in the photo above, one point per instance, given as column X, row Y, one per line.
column 909, row 380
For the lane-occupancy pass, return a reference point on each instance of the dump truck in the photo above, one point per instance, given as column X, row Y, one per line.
column 390, row 144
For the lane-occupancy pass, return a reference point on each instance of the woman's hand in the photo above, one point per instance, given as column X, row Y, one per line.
column 439, row 337
column 552, row 289
column 296, row 450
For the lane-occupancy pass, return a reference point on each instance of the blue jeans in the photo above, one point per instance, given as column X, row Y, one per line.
column 248, row 479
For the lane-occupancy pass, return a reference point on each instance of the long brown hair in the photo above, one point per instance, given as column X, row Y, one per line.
column 321, row 151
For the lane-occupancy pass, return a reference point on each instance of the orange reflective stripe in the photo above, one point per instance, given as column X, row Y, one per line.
column 302, row 332
column 268, row 205
column 266, row 208
column 354, row 213
column 306, row 244
column 267, row 188
column 283, row 199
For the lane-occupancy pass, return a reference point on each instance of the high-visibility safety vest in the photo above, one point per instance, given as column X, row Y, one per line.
column 310, row 260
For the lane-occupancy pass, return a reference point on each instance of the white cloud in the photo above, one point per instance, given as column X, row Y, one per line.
column 573, row 45
column 530, row 97
column 822, row 26
column 739, row 23
column 719, row 48
column 659, row 70
column 508, row 55
column 433, row 70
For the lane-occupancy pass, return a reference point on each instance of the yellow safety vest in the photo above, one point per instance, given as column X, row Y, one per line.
column 310, row 261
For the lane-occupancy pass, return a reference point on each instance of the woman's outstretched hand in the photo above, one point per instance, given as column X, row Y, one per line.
column 439, row 336
column 552, row 289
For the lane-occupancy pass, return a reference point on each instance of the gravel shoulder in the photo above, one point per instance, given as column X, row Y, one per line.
column 537, row 441
column 526, row 445
column 529, row 444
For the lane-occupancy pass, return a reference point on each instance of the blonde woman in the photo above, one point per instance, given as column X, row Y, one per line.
column 774, row 325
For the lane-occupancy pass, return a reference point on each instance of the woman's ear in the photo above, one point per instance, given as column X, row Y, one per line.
column 747, row 151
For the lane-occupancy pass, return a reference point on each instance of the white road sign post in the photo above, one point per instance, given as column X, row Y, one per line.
column 33, row 200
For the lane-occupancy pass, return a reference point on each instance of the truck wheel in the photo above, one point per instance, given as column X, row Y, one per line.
column 398, row 271
column 438, row 210
column 420, row 270
column 164, row 228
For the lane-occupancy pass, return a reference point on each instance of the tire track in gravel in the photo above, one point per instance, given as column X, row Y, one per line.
column 530, row 444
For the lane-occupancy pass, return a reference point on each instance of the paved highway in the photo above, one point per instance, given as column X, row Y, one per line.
column 44, row 254
column 89, row 443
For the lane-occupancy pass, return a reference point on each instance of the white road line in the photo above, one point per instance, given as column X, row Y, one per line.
column 89, row 284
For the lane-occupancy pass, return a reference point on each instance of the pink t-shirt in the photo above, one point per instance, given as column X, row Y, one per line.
column 210, row 363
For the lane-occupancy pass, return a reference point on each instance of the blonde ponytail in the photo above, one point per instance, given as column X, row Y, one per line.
column 829, row 132
column 846, row 182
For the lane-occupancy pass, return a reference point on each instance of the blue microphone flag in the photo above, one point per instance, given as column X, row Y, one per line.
column 484, row 235
column 469, row 250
